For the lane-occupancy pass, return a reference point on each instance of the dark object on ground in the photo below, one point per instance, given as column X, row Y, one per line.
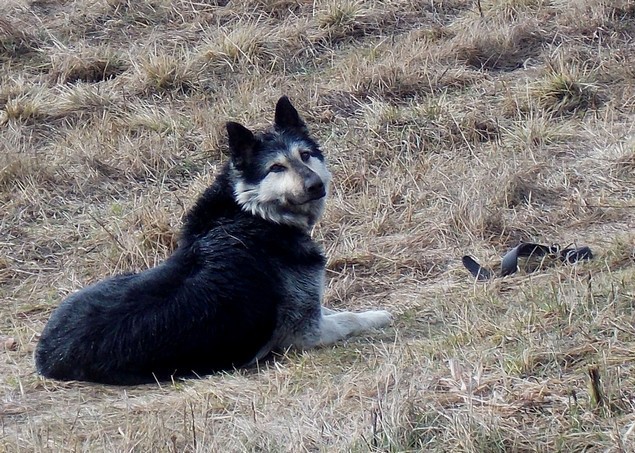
column 509, row 264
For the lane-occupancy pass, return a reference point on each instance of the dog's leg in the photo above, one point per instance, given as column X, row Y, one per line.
column 340, row 325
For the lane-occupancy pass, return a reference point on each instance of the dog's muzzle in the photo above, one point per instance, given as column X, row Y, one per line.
column 310, row 194
column 316, row 190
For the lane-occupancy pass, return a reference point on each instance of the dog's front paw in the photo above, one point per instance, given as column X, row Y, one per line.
column 378, row 318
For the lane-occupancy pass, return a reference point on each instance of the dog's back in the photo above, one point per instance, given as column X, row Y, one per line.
column 211, row 306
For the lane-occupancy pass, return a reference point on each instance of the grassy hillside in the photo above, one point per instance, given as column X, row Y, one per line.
column 451, row 127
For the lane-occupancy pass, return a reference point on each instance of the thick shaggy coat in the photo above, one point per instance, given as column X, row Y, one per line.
column 246, row 278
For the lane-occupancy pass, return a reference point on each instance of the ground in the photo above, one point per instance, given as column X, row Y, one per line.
column 452, row 127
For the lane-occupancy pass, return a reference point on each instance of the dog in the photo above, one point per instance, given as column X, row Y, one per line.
column 246, row 279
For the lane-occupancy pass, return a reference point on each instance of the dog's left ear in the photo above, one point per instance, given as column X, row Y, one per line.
column 287, row 116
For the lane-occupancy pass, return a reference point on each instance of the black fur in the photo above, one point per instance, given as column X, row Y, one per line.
column 212, row 305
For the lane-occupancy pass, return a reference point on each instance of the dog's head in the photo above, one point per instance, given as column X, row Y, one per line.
column 280, row 175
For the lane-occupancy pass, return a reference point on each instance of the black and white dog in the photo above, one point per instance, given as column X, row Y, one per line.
column 245, row 280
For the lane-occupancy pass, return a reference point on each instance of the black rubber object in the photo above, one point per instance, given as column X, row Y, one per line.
column 509, row 263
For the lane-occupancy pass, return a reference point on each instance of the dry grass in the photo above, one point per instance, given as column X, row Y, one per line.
column 452, row 127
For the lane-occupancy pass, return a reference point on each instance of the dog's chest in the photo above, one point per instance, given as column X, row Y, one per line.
column 302, row 278
column 304, row 284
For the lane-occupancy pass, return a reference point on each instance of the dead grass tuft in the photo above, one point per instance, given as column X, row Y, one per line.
column 29, row 107
column 341, row 18
column 589, row 19
column 15, row 41
column 19, row 171
column 168, row 72
column 497, row 45
column 88, row 65
column 512, row 10
column 244, row 46
column 565, row 90
column 278, row 9
column 525, row 188
column 146, row 13
column 474, row 128
column 537, row 131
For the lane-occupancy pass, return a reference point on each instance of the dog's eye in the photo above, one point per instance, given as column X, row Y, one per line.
column 305, row 156
column 277, row 168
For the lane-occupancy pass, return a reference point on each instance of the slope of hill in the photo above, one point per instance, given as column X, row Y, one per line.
column 451, row 127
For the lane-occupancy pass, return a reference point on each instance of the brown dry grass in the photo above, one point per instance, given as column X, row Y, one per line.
column 451, row 127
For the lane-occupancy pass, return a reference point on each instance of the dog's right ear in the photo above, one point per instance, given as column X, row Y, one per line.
column 241, row 143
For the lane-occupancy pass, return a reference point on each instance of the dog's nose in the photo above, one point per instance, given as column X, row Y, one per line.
column 315, row 188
